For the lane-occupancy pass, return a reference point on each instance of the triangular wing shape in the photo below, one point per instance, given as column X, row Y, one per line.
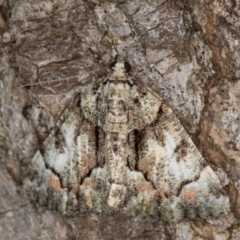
column 185, row 186
column 119, row 148
column 67, row 157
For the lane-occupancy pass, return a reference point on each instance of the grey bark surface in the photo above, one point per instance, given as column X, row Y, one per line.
column 187, row 51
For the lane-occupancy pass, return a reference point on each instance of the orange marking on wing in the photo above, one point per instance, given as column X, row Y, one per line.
column 89, row 163
column 145, row 186
column 88, row 182
column 188, row 194
column 144, row 166
column 75, row 189
column 53, row 182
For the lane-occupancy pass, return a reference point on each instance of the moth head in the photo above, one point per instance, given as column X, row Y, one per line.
column 123, row 64
column 120, row 68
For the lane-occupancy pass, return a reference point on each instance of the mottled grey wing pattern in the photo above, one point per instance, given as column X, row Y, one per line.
column 67, row 157
column 119, row 148
column 185, row 186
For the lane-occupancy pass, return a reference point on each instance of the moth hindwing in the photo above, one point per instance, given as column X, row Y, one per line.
column 119, row 148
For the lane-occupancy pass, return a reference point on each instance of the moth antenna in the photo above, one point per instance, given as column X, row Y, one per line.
column 151, row 91
column 54, row 80
column 144, row 85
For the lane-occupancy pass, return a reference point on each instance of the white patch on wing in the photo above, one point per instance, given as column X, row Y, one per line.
column 116, row 195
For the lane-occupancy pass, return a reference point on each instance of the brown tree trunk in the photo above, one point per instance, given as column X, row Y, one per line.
column 187, row 51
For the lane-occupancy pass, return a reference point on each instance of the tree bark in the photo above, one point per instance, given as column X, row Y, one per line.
column 187, row 51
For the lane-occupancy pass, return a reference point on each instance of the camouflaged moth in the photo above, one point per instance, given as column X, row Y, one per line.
column 119, row 148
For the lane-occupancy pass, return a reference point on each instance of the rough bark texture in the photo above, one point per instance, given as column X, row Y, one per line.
column 187, row 51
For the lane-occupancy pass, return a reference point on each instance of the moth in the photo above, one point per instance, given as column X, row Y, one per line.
column 118, row 148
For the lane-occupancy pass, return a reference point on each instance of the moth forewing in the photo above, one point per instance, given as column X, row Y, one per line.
column 119, row 148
